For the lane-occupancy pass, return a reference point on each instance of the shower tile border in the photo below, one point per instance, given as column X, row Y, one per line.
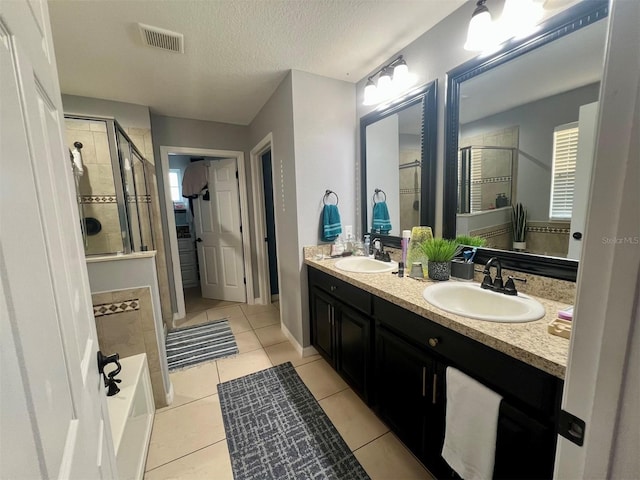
column 118, row 307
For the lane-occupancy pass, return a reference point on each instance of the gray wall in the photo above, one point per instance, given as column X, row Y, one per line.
column 536, row 121
column 430, row 57
column 324, row 122
column 276, row 117
column 320, row 155
column 183, row 132
column 127, row 114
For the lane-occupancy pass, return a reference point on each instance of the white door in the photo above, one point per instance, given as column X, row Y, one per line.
column 54, row 416
column 219, row 235
column 587, row 131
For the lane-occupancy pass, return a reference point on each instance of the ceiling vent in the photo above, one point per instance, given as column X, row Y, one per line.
column 161, row 38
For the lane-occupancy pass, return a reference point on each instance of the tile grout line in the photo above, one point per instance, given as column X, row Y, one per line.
column 371, row 441
column 186, row 455
column 169, row 408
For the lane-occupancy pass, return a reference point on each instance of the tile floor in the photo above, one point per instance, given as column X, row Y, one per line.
column 188, row 438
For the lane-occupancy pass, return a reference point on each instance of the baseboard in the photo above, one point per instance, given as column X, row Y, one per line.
column 302, row 351
column 169, row 395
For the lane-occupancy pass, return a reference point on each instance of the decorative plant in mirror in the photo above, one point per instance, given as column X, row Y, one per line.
column 519, row 224
column 439, row 252
column 470, row 241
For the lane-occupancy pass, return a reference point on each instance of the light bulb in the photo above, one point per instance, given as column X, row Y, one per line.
column 520, row 17
column 480, row 35
column 370, row 93
column 401, row 73
column 385, row 88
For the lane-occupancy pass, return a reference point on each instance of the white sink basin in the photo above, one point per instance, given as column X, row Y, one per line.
column 469, row 300
column 365, row 265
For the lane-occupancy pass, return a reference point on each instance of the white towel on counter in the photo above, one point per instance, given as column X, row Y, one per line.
column 471, row 426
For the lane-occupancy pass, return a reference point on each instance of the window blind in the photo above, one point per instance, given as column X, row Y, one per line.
column 563, row 179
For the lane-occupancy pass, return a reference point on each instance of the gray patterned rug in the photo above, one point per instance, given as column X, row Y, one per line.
column 277, row 430
column 192, row 345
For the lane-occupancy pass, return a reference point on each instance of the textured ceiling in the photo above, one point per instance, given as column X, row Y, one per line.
column 236, row 51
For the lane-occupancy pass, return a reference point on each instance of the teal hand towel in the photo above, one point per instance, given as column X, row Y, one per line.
column 381, row 220
column 331, row 226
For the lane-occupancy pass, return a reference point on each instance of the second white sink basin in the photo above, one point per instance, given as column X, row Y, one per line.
column 469, row 300
column 365, row 265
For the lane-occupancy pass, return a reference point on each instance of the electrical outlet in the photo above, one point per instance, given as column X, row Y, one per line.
column 348, row 230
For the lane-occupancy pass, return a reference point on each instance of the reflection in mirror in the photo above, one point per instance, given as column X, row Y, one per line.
column 525, row 133
column 398, row 165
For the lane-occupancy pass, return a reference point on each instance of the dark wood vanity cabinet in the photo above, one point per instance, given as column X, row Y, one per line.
column 396, row 360
column 407, row 343
column 342, row 333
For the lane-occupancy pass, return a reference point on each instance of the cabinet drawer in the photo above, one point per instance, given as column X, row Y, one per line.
column 352, row 296
column 507, row 376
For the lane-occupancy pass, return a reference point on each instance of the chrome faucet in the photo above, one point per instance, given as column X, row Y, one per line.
column 378, row 250
column 497, row 284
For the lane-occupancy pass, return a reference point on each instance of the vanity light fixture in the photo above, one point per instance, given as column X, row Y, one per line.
column 520, row 18
column 481, row 35
column 393, row 79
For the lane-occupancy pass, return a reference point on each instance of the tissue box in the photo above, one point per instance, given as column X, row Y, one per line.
column 461, row 269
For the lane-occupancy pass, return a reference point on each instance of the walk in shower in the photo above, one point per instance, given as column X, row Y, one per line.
column 485, row 178
column 113, row 195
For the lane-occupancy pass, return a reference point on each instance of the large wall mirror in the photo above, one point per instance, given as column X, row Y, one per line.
column 398, row 162
column 520, row 129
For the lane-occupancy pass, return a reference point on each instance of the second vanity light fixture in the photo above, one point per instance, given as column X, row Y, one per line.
column 393, row 79
column 519, row 18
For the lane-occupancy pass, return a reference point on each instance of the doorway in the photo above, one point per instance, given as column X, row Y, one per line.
column 270, row 222
column 243, row 266
column 265, row 219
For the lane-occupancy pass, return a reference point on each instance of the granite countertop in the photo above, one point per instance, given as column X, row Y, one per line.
column 529, row 342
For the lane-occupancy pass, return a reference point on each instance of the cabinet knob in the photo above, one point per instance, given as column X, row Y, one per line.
column 333, row 288
column 433, row 342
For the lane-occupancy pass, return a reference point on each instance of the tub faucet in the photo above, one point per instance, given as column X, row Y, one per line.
column 496, row 284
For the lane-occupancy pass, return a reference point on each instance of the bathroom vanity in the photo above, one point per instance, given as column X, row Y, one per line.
column 393, row 348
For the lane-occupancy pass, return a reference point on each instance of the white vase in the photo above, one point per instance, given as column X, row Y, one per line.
column 519, row 246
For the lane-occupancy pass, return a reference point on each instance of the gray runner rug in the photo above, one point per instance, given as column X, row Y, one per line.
column 277, row 430
column 192, row 345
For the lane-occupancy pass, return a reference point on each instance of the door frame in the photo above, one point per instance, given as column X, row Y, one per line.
column 259, row 218
column 171, row 221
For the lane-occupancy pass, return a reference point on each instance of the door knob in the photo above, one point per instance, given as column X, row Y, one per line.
column 577, row 235
column 199, row 240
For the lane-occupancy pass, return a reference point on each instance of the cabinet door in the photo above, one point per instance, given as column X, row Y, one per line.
column 525, row 448
column 353, row 350
column 322, row 318
column 403, row 376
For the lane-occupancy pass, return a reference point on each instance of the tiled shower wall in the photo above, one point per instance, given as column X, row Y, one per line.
column 125, row 325
column 543, row 238
column 409, row 189
column 97, row 186
column 496, row 164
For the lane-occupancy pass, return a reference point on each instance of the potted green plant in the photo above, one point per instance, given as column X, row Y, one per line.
column 519, row 224
column 439, row 253
column 469, row 241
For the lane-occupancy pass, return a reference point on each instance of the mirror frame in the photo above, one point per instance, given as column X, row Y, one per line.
column 427, row 97
column 565, row 23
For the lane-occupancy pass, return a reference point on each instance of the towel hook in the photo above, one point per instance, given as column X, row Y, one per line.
column 327, row 194
column 376, row 192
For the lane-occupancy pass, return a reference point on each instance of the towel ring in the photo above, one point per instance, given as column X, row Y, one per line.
column 327, row 194
column 376, row 192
